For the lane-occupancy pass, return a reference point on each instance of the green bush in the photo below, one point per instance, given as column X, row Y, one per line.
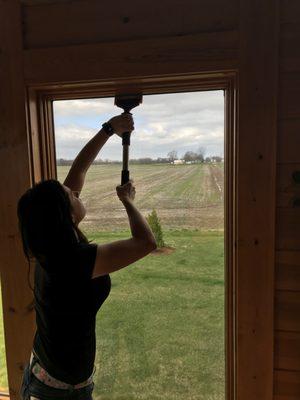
column 154, row 223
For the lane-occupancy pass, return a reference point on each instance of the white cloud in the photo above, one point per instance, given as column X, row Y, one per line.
column 180, row 121
column 73, row 132
column 82, row 108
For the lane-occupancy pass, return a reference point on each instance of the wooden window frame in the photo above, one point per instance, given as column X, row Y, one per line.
column 248, row 51
column 42, row 153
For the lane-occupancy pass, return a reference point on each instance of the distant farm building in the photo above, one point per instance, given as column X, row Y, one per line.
column 178, row 162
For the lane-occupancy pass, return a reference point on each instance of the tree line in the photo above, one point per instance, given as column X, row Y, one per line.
column 189, row 156
column 194, row 156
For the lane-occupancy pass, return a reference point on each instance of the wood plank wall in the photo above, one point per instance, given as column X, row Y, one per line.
column 42, row 26
column 91, row 21
column 44, row 30
column 287, row 268
column 256, row 152
column 15, row 178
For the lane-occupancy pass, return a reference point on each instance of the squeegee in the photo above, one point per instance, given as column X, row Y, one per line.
column 127, row 102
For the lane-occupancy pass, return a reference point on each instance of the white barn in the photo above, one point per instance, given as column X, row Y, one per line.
column 178, row 162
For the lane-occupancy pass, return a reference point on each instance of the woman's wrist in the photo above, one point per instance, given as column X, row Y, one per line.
column 126, row 201
column 108, row 128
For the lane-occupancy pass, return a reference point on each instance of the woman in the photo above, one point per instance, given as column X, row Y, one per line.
column 72, row 274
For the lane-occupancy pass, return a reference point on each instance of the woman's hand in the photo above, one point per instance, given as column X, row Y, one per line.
column 126, row 192
column 122, row 123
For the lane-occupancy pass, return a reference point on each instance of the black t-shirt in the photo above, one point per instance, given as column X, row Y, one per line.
column 67, row 300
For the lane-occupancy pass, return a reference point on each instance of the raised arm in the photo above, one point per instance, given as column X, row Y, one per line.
column 116, row 255
column 76, row 176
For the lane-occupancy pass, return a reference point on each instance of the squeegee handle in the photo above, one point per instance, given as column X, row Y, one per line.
column 126, row 138
column 125, row 176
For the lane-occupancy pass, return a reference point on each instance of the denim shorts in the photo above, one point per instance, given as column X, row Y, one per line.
column 32, row 386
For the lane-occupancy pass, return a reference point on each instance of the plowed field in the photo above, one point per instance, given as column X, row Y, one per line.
column 184, row 196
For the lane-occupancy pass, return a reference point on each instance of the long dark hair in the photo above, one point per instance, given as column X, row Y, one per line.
column 45, row 222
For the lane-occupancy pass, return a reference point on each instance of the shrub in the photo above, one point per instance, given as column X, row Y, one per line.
column 154, row 223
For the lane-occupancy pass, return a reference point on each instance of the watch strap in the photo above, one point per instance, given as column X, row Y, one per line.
column 108, row 129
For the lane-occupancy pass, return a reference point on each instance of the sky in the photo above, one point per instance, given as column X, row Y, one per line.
column 162, row 123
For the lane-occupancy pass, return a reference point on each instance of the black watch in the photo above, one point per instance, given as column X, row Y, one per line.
column 107, row 127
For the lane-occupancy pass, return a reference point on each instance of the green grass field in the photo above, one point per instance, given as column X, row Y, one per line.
column 160, row 333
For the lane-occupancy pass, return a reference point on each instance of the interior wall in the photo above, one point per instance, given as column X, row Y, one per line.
column 40, row 41
column 87, row 22
column 15, row 178
column 33, row 46
column 287, row 268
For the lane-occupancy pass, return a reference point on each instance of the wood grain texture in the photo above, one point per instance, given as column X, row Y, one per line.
column 86, row 22
column 289, row 11
column 15, row 177
column 287, row 310
column 287, row 270
column 257, row 127
column 211, row 52
column 289, row 47
column 288, row 148
column 43, row 2
column 288, row 186
column 289, row 88
column 287, row 350
column 35, row 145
column 286, row 385
column 63, row 42
column 287, row 228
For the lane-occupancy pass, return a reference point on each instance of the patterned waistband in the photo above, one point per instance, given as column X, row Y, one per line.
column 40, row 373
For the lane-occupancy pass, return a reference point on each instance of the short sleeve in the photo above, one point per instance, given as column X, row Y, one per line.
column 84, row 258
column 76, row 263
